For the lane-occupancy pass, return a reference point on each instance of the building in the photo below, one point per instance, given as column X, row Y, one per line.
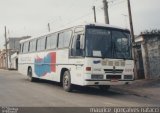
column 2, row 59
column 13, row 48
column 148, row 55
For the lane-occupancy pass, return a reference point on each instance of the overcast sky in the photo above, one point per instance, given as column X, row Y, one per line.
column 30, row 17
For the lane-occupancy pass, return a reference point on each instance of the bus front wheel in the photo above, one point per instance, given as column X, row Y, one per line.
column 67, row 86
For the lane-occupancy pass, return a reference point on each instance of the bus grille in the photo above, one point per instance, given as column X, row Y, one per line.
column 113, row 76
column 113, row 71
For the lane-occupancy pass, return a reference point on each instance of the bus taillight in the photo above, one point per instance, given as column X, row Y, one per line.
column 88, row 68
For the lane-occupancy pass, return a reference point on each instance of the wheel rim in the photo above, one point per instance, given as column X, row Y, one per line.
column 65, row 81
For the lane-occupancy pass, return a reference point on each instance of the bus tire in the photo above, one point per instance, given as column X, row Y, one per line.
column 30, row 78
column 104, row 87
column 66, row 81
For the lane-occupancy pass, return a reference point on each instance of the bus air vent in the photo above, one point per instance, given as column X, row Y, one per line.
column 116, row 63
column 122, row 63
column 110, row 63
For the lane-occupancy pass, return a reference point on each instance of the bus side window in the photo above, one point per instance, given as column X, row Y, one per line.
column 25, row 47
column 78, row 45
column 41, row 43
column 51, row 41
column 32, row 47
column 64, row 39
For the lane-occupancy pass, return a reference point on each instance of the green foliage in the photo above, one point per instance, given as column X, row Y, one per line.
column 151, row 32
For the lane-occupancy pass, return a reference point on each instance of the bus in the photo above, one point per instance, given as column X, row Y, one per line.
column 86, row 55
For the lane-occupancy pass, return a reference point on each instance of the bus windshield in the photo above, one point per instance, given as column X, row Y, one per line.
column 108, row 43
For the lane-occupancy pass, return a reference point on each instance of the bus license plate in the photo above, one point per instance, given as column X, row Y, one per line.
column 114, row 80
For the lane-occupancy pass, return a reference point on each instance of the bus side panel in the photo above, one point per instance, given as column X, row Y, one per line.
column 45, row 65
column 26, row 61
column 77, row 71
column 74, row 66
column 61, row 62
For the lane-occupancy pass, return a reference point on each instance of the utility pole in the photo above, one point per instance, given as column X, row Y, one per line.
column 132, row 34
column 106, row 15
column 6, row 47
column 49, row 29
column 130, row 20
column 94, row 11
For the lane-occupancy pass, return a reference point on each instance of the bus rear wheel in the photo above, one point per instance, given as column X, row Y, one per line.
column 67, row 86
column 30, row 78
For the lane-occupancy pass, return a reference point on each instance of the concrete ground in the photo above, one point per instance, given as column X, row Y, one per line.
column 144, row 88
column 16, row 90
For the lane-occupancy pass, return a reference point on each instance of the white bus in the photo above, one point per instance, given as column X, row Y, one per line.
column 85, row 55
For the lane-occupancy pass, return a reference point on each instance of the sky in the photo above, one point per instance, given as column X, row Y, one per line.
column 30, row 17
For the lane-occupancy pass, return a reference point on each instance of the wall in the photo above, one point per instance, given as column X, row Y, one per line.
column 139, row 62
column 13, row 46
column 151, row 56
column 2, row 59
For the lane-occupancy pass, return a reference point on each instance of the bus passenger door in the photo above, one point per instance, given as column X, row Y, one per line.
column 77, row 58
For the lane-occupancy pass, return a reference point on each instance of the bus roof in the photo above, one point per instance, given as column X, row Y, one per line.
column 86, row 24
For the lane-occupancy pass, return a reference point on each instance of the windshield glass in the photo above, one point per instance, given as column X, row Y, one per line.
column 108, row 43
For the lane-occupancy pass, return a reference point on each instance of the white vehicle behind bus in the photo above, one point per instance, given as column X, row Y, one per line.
column 85, row 55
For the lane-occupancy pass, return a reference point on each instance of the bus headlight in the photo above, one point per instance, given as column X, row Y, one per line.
column 128, row 77
column 96, row 77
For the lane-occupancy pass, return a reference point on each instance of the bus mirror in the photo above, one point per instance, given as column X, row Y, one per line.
column 135, row 46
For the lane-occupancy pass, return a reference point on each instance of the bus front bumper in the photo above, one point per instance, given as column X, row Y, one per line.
column 107, row 82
